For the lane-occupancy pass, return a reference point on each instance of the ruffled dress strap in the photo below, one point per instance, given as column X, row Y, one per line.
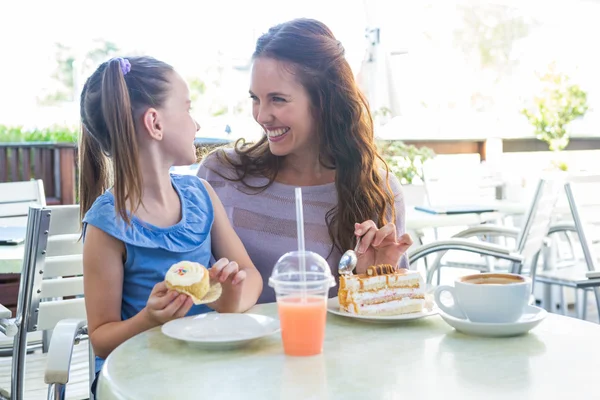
column 187, row 235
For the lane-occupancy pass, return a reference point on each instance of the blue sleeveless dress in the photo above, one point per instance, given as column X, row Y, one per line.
column 151, row 250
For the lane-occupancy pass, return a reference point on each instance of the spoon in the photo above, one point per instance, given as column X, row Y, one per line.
column 348, row 261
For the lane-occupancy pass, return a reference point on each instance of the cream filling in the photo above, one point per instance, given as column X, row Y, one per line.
column 365, row 297
column 185, row 273
column 385, row 307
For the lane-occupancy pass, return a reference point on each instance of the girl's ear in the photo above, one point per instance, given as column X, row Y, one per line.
column 152, row 123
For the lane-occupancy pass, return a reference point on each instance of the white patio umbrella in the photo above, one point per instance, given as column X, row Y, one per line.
column 376, row 75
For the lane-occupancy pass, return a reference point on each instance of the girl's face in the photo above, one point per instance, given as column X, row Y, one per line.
column 178, row 126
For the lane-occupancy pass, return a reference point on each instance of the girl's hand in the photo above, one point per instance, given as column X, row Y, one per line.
column 379, row 245
column 227, row 272
column 165, row 304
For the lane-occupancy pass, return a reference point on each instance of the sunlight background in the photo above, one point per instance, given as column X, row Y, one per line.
column 449, row 68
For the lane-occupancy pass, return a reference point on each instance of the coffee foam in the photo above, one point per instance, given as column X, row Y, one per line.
column 492, row 279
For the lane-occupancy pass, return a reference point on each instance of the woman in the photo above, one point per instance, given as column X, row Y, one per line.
column 318, row 136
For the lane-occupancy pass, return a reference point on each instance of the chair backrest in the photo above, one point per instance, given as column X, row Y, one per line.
column 584, row 187
column 53, row 287
column 458, row 179
column 17, row 197
column 584, row 206
column 538, row 218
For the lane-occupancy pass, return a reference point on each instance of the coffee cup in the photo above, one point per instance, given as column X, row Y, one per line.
column 487, row 297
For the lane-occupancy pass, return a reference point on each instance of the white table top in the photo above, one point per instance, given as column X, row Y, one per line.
column 11, row 259
column 419, row 220
column 420, row 359
column 11, row 256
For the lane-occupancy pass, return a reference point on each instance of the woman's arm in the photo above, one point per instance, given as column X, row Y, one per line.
column 400, row 209
column 387, row 244
column 242, row 283
column 103, row 288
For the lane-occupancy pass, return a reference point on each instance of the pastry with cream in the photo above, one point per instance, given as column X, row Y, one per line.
column 190, row 278
column 383, row 290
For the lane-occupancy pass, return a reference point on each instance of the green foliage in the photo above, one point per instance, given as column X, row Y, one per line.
column 405, row 161
column 560, row 103
column 197, row 88
column 561, row 165
column 382, row 111
column 490, row 31
column 101, row 51
column 65, row 72
column 57, row 134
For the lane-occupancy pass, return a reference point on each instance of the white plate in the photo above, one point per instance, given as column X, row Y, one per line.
column 530, row 319
column 333, row 306
column 221, row 331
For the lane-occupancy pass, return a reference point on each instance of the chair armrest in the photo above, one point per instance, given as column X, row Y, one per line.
column 588, row 283
column 568, row 227
column 482, row 248
column 494, row 230
column 4, row 312
column 64, row 337
column 8, row 325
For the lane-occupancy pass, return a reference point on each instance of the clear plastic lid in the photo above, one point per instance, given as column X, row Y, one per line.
column 287, row 272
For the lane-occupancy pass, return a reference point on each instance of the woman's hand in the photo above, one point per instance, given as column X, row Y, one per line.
column 165, row 304
column 379, row 245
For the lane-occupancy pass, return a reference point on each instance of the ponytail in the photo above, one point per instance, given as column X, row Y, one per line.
column 117, row 111
column 93, row 171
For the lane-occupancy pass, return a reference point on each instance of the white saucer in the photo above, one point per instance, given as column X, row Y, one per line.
column 530, row 319
column 333, row 306
column 221, row 331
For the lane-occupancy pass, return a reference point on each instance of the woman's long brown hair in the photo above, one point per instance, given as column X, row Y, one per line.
column 108, row 151
column 343, row 122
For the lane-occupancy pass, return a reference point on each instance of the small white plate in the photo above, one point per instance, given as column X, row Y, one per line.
column 221, row 331
column 530, row 319
column 333, row 306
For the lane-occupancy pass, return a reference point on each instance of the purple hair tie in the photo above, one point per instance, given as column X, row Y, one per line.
column 125, row 65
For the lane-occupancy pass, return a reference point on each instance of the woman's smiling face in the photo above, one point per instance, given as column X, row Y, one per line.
column 282, row 107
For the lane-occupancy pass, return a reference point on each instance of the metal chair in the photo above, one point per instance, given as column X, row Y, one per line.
column 529, row 239
column 51, row 290
column 569, row 272
column 15, row 199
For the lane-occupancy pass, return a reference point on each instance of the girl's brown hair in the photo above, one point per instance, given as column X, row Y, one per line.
column 343, row 122
column 113, row 98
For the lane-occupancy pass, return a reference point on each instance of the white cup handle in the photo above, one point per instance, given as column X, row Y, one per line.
column 453, row 310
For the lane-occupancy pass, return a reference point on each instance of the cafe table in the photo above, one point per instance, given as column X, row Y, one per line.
column 11, row 263
column 417, row 220
column 416, row 359
column 11, row 258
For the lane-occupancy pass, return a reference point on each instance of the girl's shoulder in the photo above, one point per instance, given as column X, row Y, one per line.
column 188, row 234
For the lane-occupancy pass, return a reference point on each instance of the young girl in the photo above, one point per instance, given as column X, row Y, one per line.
column 135, row 126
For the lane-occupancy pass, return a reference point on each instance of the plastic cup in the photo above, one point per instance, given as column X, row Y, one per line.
column 302, row 301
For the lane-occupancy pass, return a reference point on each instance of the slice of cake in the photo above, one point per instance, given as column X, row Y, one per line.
column 383, row 290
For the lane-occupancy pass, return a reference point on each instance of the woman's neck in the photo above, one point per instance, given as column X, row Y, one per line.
column 304, row 170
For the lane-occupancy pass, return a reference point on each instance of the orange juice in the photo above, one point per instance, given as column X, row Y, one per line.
column 302, row 324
